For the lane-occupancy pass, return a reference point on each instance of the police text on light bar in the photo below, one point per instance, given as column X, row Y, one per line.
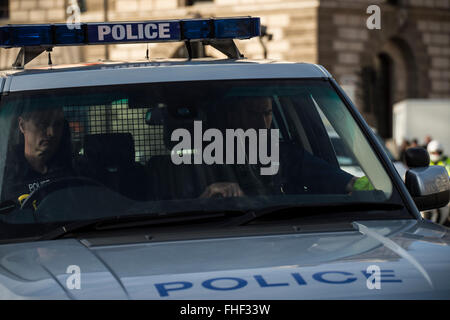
column 148, row 31
column 50, row 35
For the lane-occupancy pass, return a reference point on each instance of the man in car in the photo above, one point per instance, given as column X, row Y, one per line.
column 300, row 172
column 247, row 113
column 43, row 154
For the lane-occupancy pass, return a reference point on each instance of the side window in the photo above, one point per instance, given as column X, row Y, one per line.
column 296, row 130
column 344, row 155
column 279, row 119
column 314, row 129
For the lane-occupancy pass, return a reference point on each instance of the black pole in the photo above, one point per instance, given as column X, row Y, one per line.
column 106, row 18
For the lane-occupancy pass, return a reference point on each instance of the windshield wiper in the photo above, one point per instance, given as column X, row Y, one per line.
column 315, row 210
column 7, row 206
column 137, row 220
column 234, row 217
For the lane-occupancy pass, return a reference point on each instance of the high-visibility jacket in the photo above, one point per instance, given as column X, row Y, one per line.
column 445, row 162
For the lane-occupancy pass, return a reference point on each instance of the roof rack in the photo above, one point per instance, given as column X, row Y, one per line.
column 216, row 32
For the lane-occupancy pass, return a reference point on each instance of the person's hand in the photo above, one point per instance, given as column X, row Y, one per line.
column 222, row 189
column 359, row 184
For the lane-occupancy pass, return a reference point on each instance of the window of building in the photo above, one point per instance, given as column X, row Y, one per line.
column 82, row 5
column 192, row 2
column 4, row 9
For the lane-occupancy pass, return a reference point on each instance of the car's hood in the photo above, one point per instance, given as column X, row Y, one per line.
column 413, row 259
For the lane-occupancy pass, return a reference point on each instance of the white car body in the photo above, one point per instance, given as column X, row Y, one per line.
column 322, row 262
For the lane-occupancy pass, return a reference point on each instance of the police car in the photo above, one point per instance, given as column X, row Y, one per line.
column 202, row 178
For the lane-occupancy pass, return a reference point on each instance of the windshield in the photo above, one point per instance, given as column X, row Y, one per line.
column 86, row 153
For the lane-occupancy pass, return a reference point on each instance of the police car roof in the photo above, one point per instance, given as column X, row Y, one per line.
column 108, row 73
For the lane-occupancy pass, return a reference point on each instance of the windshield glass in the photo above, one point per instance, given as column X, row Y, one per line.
column 85, row 153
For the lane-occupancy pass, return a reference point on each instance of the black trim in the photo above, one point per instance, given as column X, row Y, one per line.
column 432, row 201
column 378, row 149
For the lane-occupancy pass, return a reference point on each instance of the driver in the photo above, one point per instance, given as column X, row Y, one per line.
column 43, row 154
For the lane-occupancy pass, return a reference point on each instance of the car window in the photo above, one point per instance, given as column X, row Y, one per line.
column 83, row 153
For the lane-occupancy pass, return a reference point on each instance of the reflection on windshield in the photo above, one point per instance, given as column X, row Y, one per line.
column 112, row 147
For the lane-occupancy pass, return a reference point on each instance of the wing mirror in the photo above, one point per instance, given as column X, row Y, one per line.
column 428, row 185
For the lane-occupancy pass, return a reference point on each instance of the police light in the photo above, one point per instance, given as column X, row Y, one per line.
column 128, row 32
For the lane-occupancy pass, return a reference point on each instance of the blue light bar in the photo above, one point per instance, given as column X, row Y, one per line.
column 237, row 28
column 223, row 28
column 128, row 32
column 25, row 35
column 197, row 29
column 65, row 36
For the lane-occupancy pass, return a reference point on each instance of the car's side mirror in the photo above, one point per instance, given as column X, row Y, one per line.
column 428, row 185
column 155, row 116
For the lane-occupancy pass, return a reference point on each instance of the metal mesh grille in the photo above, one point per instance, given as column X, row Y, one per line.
column 116, row 118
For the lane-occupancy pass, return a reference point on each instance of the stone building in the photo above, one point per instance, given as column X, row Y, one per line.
column 408, row 57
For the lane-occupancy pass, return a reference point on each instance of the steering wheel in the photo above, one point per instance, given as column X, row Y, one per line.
column 54, row 185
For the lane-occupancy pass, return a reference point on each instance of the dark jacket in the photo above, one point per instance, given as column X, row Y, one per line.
column 20, row 178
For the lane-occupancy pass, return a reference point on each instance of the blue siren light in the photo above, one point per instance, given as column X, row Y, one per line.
column 237, row 28
column 128, row 32
column 65, row 36
column 25, row 35
column 196, row 29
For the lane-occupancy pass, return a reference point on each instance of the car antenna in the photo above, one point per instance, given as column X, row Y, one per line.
column 49, row 50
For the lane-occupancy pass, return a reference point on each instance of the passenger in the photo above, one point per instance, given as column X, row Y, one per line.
column 248, row 113
column 299, row 171
column 43, row 154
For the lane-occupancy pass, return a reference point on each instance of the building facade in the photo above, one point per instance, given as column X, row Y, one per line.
column 407, row 57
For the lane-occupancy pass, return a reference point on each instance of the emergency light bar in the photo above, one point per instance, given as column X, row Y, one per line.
column 50, row 35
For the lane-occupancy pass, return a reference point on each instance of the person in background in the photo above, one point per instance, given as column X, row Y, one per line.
column 437, row 156
column 402, row 150
column 427, row 140
column 414, row 143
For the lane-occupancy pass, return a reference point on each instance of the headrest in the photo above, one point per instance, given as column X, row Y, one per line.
column 110, row 149
column 65, row 146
